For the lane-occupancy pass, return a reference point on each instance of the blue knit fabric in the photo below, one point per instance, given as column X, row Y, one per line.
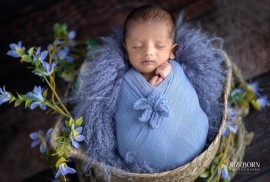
column 164, row 126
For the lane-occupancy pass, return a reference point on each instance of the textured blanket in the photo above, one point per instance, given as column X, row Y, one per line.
column 164, row 126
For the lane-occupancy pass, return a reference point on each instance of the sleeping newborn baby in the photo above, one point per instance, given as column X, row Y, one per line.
column 159, row 121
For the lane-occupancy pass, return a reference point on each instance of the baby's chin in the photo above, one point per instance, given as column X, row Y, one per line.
column 149, row 72
column 147, row 69
column 148, row 75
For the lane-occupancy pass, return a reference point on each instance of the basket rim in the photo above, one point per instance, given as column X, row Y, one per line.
column 80, row 155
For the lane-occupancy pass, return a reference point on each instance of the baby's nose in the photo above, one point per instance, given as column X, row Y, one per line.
column 149, row 51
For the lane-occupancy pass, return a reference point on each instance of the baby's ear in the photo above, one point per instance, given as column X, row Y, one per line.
column 125, row 50
column 174, row 47
column 124, row 45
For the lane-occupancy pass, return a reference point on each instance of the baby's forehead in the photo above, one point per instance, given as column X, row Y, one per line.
column 144, row 22
column 160, row 25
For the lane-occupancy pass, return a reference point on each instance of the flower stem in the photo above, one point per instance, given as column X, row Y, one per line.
column 223, row 157
column 58, row 98
column 57, row 109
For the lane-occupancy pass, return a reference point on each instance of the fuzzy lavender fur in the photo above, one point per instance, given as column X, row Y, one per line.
column 101, row 75
column 95, row 98
column 203, row 64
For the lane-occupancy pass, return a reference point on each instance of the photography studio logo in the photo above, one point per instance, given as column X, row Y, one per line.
column 245, row 167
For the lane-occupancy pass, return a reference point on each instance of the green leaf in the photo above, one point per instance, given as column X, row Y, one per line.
column 244, row 103
column 205, row 174
column 71, row 121
column 31, row 51
column 213, row 168
column 250, row 95
column 27, row 58
column 243, row 95
column 60, row 161
column 27, row 103
column 20, row 97
column 216, row 160
column 62, row 149
column 67, row 76
column 12, row 99
column 18, row 102
column 36, row 70
column 45, row 92
column 20, row 51
column 66, row 123
column 60, row 30
column 79, row 121
column 91, row 43
column 66, row 133
column 59, row 139
column 255, row 105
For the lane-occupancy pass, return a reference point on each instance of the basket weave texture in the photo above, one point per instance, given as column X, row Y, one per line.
column 187, row 172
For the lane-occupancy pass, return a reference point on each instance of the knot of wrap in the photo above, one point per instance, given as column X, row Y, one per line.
column 154, row 108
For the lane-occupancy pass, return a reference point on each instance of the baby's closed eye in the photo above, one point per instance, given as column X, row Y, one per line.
column 158, row 46
column 137, row 47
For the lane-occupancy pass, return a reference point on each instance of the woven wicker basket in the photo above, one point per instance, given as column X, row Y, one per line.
column 188, row 172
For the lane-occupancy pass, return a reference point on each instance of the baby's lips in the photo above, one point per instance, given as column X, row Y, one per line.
column 147, row 62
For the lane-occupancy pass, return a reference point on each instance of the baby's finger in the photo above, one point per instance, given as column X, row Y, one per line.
column 153, row 80
column 159, row 80
column 160, row 73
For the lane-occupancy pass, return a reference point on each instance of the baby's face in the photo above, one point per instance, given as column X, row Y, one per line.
column 149, row 45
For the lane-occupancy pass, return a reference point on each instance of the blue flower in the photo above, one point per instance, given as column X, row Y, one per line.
column 40, row 138
column 63, row 54
column 71, row 34
column 231, row 112
column 263, row 101
column 43, row 56
column 58, row 42
column 37, row 51
column 225, row 173
column 48, row 68
column 260, row 102
column 50, row 47
column 75, row 136
column 16, row 50
column 63, row 127
column 254, row 88
column 39, row 56
column 229, row 122
column 229, row 125
column 63, row 169
column 5, row 96
column 237, row 92
column 37, row 96
column 154, row 108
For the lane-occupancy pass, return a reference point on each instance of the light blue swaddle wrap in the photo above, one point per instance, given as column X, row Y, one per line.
column 164, row 126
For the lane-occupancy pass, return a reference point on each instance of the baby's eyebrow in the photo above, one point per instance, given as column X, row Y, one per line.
column 134, row 41
column 160, row 42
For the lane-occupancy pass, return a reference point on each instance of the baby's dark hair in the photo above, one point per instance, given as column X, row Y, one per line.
column 147, row 13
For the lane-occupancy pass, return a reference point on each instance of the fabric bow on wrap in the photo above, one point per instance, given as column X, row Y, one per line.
column 155, row 108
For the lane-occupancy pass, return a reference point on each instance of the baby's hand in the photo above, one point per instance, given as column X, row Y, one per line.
column 164, row 70
column 156, row 80
column 161, row 73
